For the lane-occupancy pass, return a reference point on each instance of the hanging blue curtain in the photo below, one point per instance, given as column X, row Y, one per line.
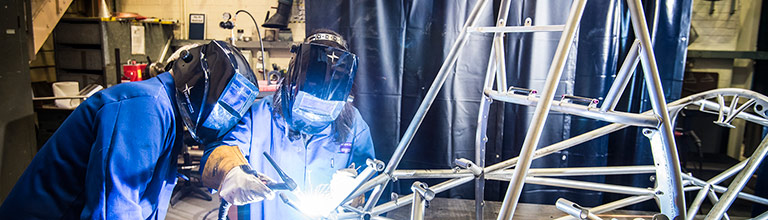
column 401, row 45
column 629, row 146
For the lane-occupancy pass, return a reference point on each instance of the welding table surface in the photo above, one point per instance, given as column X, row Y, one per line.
column 440, row 208
column 446, row 208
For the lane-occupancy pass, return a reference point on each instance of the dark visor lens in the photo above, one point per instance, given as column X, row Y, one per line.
column 328, row 72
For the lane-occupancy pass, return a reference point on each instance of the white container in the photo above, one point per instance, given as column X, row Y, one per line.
column 63, row 89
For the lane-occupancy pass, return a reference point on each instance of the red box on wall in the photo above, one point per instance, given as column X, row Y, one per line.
column 134, row 72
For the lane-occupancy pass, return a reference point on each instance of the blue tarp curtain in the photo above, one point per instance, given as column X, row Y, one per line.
column 401, row 45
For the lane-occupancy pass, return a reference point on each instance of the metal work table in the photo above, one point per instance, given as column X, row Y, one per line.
column 448, row 209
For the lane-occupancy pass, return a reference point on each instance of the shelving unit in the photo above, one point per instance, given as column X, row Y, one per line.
column 92, row 50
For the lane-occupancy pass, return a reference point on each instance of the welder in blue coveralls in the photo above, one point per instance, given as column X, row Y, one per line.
column 115, row 156
column 309, row 127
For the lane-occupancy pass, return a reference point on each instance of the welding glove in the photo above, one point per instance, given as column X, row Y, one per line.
column 242, row 186
column 227, row 170
column 347, row 175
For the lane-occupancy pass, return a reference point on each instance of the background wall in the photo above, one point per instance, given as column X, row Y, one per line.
column 180, row 9
column 732, row 26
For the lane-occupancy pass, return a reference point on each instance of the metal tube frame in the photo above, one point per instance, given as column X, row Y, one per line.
column 670, row 185
column 420, row 200
column 739, row 181
column 536, row 127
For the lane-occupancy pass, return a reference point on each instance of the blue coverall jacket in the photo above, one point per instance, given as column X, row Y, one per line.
column 310, row 161
column 114, row 157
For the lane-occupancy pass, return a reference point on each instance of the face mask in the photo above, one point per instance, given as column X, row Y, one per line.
column 311, row 115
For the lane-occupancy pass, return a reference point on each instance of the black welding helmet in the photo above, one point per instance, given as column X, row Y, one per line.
column 215, row 87
column 318, row 83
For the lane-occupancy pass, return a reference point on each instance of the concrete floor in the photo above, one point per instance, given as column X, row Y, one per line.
column 192, row 207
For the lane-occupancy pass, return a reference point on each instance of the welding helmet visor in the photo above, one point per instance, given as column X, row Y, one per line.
column 317, row 86
column 214, row 89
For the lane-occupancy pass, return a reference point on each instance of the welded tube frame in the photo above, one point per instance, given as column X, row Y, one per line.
column 641, row 120
column 575, row 210
column 517, row 29
column 622, row 77
column 360, row 179
column 675, row 207
column 621, row 203
column 739, row 181
column 422, row 196
column 696, row 99
column 541, row 112
column 537, row 172
column 429, row 98
column 651, row 79
column 721, row 189
column 599, row 187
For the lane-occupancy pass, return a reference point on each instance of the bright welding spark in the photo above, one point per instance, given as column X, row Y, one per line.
column 321, row 200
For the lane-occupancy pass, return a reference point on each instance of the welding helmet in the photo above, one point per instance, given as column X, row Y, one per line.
column 318, row 83
column 215, row 87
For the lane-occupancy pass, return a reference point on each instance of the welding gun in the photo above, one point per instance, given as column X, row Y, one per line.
column 287, row 184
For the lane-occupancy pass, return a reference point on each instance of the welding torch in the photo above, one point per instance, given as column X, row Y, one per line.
column 288, row 184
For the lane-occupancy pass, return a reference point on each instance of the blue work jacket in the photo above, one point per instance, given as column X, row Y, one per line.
column 310, row 161
column 114, row 157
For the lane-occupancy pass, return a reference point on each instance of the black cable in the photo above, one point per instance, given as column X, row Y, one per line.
column 261, row 43
column 205, row 217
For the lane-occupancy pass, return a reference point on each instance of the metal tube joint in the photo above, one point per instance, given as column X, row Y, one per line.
column 468, row 164
column 423, row 190
column 572, row 208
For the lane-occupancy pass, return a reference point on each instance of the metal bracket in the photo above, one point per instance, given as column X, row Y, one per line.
column 468, row 164
column 522, row 91
column 591, row 102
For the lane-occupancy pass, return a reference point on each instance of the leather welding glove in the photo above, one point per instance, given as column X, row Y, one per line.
column 241, row 187
column 227, row 170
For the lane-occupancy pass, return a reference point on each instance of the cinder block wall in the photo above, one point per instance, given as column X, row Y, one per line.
column 725, row 31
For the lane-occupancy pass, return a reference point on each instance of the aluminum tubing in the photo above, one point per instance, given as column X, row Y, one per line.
column 432, row 174
column 589, row 186
column 642, row 120
column 433, row 90
column 622, row 78
column 739, row 181
column 676, row 207
column 582, row 138
column 749, row 117
column 541, row 112
column 417, row 208
column 580, row 171
column 621, row 203
column 405, row 200
column 518, row 29
column 720, row 189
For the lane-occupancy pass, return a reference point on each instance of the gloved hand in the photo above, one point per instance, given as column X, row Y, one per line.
column 224, row 170
column 341, row 180
column 241, row 187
